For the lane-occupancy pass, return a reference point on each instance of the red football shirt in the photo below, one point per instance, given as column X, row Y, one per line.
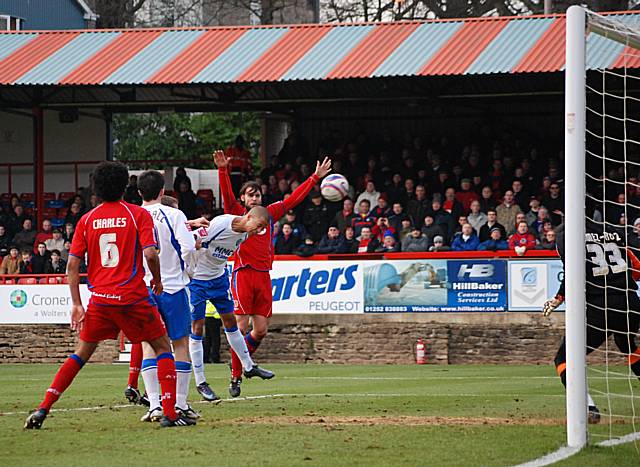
column 113, row 236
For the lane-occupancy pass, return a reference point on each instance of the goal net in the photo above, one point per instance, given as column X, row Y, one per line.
column 602, row 138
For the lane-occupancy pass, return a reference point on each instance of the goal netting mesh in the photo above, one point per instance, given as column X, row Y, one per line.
column 613, row 201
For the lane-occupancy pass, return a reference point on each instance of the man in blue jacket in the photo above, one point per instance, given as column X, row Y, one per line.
column 495, row 241
column 466, row 240
column 333, row 242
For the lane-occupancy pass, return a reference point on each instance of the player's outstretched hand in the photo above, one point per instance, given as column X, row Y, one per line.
column 220, row 159
column 157, row 288
column 550, row 306
column 323, row 168
column 198, row 223
column 77, row 317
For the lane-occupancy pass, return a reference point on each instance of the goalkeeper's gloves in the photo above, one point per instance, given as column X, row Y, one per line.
column 551, row 305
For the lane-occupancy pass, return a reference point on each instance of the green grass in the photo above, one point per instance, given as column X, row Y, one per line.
column 312, row 415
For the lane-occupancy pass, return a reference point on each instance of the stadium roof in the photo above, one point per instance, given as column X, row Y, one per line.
column 295, row 53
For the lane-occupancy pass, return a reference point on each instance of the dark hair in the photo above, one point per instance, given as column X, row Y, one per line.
column 365, row 201
column 25, row 251
column 150, row 184
column 55, row 252
column 110, row 179
column 252, row 186
column 492, row 210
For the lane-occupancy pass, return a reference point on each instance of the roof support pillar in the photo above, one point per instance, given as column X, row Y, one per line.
column 38, row 163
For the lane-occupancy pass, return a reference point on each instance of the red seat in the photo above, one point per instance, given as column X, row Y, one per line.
column 49, row 213
column 66, row 195
column 62, row 212
column 27, row 197
column 53, row 280
column 205, row 194
column 10, row 281
column 48, row 196
column 42, row 280
column 28, row 280
column 6, row 196
column 1, row 281
column 65, row 280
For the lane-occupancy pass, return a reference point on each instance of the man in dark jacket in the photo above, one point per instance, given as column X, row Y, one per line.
column 286, row 241
column 492, row 221
column 441, row 218
column 416, row 241
column 397, row 216
column 344, row 217
column 332, row 243
column 316, row 217
column 55, row 265
column 418, row 207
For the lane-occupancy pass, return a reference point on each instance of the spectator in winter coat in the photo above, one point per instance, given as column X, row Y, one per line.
column 69, row 230
column 467, row 240
column 382, row 209
column 350, row 242
column 431, row 230
column 316, row 217
column 507, row 212
column 487, row 201
column 344, row 217
column 5, row 241
column 306, row 249
column 26, row 237
column 363, row 219
column 370, row 194
column 492, row 221
column 397, row 216
column 554, row 202
column 40, row 259
column 405, row 230
column 25, row 262
column 11, row 263
column 74, row 214
column 64, row 254
column 286, row 241
column 495, row 242
column 291, row 219
column 186, row 200
column 56, row 242
column 451, row 204
column 417, row 208
column 367, row 243
column 389, row 244
column 522, row 240
column 416, row 241
column 380, row 229
column 532, row 214
column 476, row 218
column 466, row 195
column 438, row 244
column 131, row 193
column 55, row 265
column 548, row 241
column 332, row 243
column 441, row 218
column 520, row 194
column 45, row 234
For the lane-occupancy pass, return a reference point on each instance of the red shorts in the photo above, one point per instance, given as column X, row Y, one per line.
column 252, row 292
column 139, row 322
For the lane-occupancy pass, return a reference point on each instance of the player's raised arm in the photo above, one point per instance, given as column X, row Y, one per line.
column 300, row 193
column 229, row 201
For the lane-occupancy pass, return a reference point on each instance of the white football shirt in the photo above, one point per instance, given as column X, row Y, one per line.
column 176, row 244
column 219, row 242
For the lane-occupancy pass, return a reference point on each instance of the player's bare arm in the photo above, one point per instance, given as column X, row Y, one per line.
column 153, row 262
column 198, row 223
column 77, row 310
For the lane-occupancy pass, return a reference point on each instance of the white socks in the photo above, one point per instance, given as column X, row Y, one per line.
column 183, row 376
column 590, row 402
column 239, row 346
column 151, row 384
column 197, row 358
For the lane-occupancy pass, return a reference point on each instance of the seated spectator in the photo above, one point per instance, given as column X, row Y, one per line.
column 351, row 244
column 507, row 212
column 291, row 219
column 39, row 260
column 405, row 230
column 69, row 230
column 5, row 241
column 389, row 244
column 397, row 216
column 520, row 194
column 344, row 217
column 462, row 220
column 64, row 254
column 554, row 202
column 16, row 220
column 131, row 194
column 25, row 261
column 430, row 229
column 363, row 219
column 495, row 242
column 476, row 218
column 370, row 194
column 382, row 208
column 26, row 237
column 367, row 244
column 466, row 195
column 55, row 265
column 418, row 207
column 451, row 204
column 438, row 244
column 466, row 240
column 45, row 234
column 333, row 242
column 307, row 248
column 487, row 201
column 286, row 241
column 396, row 189
column 492, row 221
column 74, row 214
column 522, row 240
column 537, row 225
column 409, row 192
column 56, row 242
column 548, row 241
column 380, row 229
column 316, row 217
column 416, row 241
column 532, row 214
column 441, row 218
column 11, row 263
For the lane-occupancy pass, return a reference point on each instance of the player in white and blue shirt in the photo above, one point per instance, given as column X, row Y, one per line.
column 210, row 281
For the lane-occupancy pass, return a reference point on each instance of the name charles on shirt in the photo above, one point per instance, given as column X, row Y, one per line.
column 109, row 222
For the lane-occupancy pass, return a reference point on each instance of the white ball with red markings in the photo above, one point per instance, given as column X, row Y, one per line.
column 334, row 187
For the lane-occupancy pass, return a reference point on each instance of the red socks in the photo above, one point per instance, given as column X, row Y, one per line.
column 236, row 364
column 134, row 365
column 62, row 380
column 167, row 378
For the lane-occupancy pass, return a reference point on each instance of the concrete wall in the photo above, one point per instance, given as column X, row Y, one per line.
column 84, row 139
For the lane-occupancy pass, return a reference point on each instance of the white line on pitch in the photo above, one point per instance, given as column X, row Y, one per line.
column 551, row 458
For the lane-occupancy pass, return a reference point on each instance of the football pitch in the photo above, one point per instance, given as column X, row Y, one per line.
column 309, row 415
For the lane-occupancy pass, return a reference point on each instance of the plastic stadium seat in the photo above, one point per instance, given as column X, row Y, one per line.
column 10, row 281
column 54, row 203
column 5, row 196
column 57, row 222
column 66, row 195
column 65, row 280
column 27, row 196
column 1, row 281
column 42, row 280
column 49, row 213
column 205, row 194
column 48, row 196
column 53, row 280
column 28, row 204
column 28, row 280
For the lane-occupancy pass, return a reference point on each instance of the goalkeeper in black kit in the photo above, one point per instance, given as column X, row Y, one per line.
column 613, row 306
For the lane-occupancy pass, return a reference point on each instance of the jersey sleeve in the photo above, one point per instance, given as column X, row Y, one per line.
column 229, row 201
column 79, row 242
column 146, row 231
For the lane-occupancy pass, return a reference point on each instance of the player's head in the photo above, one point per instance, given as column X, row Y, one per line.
column 110, row 179
column 151, row 185
column 257, row 220
column 251, row 195
column 170, row 201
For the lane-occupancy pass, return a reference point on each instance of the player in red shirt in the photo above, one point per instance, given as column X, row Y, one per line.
column 251, row 282
column 114, row 236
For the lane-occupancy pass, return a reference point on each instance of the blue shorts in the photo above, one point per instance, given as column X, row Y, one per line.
column 174, row 309
column 217, row 291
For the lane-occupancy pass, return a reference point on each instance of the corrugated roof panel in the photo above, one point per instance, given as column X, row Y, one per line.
column 9, row 43
column 373, row 50
column 417, row 49
column 239, row 56
column 463, row 48
column 548, row 53
column 508, row 48
column 327, row 53
column 197, row 56
column 283, row 54
column 153, row 57
column 65, row 60
column 15, row 65
column 606, row 53
column 110, row 58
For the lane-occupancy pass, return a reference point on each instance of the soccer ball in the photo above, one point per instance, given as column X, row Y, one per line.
column 334, row 187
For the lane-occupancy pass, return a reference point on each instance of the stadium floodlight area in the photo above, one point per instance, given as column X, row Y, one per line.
column 602, row 160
